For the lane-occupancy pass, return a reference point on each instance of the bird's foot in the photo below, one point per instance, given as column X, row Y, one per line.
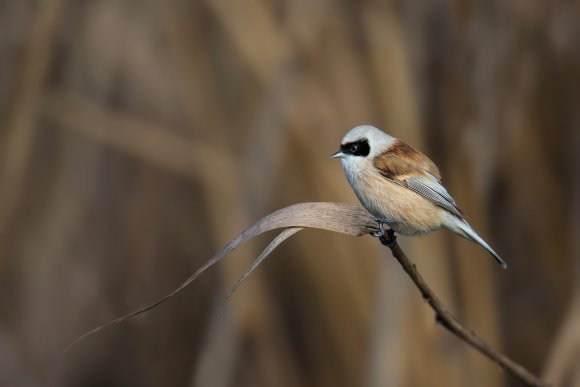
column 389, row 238
column 381, row 232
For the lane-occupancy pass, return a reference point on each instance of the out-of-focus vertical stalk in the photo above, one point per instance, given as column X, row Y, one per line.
column 19, row 125
column 392, row 65
column 254, row 313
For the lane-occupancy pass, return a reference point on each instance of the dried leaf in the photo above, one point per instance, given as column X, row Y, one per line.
column 267, row 251
column 343, row 218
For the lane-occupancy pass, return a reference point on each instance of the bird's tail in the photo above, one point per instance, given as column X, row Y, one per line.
column 462, row 228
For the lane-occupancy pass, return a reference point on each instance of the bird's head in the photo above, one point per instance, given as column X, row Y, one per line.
column 362, row 144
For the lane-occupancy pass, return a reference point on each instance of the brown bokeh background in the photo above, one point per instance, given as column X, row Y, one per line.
column 138, row 137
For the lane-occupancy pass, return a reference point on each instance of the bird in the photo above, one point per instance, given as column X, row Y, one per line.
column 401, row 187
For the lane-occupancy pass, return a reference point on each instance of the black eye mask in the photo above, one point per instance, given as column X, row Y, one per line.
column 356, row 148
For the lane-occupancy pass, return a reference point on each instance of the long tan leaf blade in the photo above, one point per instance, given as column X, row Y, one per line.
column 344, row 218
column 267, row 251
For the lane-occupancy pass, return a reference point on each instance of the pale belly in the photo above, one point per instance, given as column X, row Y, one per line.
column 405, row 211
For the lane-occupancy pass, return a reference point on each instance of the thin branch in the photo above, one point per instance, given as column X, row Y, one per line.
column 445, row 318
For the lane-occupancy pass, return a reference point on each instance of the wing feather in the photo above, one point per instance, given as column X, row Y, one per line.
column 433, row 190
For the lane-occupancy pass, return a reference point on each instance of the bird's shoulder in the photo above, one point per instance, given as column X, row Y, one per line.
column 401, row 159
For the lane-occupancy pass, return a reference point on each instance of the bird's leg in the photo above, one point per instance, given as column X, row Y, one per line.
column 389, row 238
column 381, row 232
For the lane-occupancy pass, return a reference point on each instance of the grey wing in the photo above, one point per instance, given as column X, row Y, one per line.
column 431, row 189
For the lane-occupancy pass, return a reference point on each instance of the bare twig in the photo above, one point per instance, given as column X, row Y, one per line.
column 445, row 318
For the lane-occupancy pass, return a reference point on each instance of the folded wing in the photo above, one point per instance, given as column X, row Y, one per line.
column 430, row 188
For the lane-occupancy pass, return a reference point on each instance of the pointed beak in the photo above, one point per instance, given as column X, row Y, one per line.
column 338, row 155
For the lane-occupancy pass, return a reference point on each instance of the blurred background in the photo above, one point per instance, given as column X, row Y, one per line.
column 138, row 137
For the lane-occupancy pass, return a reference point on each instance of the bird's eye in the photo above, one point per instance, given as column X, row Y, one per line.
column 357, row 148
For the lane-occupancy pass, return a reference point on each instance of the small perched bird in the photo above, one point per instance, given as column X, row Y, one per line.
column 400, row 186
